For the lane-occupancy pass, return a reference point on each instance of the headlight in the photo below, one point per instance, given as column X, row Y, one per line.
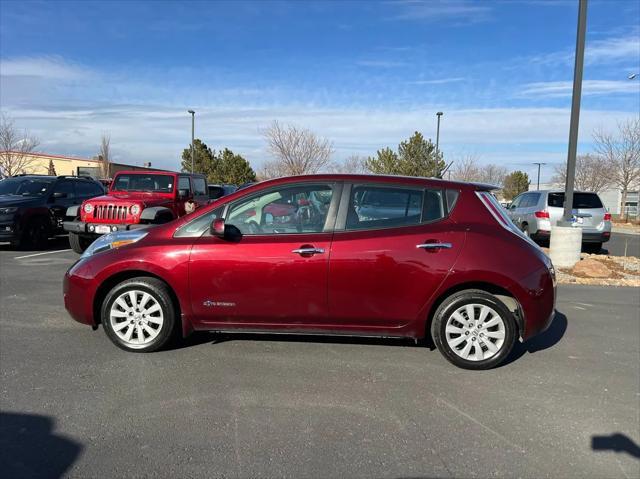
column 88, row 208
column 9, row 210
column 113, row 241
column 135, row 209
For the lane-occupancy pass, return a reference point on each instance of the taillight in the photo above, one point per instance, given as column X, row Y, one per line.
column 542, row 214
column 607, row 216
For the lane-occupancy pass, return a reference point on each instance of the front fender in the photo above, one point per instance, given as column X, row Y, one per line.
column 150, row 214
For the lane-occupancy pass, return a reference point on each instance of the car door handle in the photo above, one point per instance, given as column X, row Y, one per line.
column 434, row 246
column 308, row 251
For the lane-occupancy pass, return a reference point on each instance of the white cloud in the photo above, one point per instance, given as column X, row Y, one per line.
column 597, row 52
column 48, row 67
column 559, row 89
column 380, row 63
column 438, row 81
column 462, row 11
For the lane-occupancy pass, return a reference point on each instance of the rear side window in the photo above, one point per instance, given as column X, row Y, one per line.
column 183, row 183
column 380, row 207
column 580, row 200
column 199, row 187
column 529, row 200
column 88, row 189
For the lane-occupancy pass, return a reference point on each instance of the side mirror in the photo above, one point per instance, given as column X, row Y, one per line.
column 59, row 194
column 217, row 227
column 182, row 194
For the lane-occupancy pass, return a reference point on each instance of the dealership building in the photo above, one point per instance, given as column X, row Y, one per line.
column 40, row 164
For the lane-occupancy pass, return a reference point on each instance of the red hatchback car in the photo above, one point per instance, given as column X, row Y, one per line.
column 326, row 254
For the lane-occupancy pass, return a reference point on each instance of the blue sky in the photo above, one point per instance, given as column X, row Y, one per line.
column 363, row 74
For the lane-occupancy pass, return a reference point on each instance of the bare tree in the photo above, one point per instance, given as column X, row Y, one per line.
column 352, row 164
column 468, row 169
column 15, row 149
column 592, row 173
column 622, row 153
column 104, row 156
column 296, row 151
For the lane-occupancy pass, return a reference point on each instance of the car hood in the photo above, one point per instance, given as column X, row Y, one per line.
column 19, row 200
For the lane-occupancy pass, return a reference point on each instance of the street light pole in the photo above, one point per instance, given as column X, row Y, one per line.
column 575, row 111
column 439, row 114
column 193, row 130
column 539, row 165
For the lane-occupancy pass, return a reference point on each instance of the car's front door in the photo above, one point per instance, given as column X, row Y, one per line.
column 62, row 197
column 392, row 248
column 274, row 274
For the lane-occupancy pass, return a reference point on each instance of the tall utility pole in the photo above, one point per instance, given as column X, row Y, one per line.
column 539, row 165
column 439, row 114
column 575, row 111
column 193, row 130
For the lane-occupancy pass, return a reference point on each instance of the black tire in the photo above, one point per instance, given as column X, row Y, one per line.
column 159, row 291
column 593, row 248
column 525, row 229
column 451, row 305
column 79, row 243
column 36, row 234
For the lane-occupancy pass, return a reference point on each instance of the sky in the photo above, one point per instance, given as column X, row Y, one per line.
column 363, row 74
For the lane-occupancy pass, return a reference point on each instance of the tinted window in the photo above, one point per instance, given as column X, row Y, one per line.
column 183, row 183
column 381, row 207
column 580, row 200
column 200, row 225
column 216, row 192
column 143, row 182
column 65, row 187
column 516, row 202
column 199, row 186
column 298, row 209
column 88, row 189
column 529, row 200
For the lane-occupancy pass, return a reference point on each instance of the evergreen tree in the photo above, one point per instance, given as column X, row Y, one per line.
column 203, row 158
column 415, row 157
column 515, row 183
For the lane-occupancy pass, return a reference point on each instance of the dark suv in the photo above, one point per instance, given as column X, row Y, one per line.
column 32, row 207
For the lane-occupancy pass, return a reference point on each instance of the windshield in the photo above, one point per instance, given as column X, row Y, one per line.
column 144, row 182
column 25, row 186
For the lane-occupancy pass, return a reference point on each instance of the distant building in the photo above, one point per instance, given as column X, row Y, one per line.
column 611, row 197
column 39, row 164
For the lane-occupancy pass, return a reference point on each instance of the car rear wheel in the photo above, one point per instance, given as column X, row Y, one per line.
column 79, row 243
column 138, row 314
column 525, row 229
column 474, row 330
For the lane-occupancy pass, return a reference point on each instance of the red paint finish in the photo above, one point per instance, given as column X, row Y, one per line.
column 364, row 282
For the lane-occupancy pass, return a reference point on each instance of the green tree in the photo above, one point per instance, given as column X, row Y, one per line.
column 415, row 157
column 230, row 168
column 203, row 158
column 514, row 184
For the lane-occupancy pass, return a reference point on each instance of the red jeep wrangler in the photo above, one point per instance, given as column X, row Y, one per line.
column 135, row 199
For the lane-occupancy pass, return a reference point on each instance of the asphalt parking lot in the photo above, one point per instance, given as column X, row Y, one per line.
column 72, row 404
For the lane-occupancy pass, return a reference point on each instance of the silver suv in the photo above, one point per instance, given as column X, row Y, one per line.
column 534, row 212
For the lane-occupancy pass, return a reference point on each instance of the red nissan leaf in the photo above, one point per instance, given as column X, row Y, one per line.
column 325, row 254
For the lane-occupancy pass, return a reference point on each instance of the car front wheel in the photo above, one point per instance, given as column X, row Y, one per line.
column 474, row 330
column 138, row 314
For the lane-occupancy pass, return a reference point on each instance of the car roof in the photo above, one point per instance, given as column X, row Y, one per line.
column 560, row 191
column 391, row 179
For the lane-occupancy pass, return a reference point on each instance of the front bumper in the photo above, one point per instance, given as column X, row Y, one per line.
column 8, row 232
column 78, row 295
column 81, row 227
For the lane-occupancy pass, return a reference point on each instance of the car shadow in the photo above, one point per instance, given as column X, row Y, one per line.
column 617, row 443
column 30, row 448
column 552, row 336
column 56, row 243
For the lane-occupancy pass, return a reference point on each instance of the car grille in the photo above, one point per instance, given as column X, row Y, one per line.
column 110, row 212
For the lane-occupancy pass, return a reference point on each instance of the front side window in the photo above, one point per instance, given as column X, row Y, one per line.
column 87, row 189
column 200, row 225
column 382, row 207
column 66, row 188
column 143, row 182
column 289, row 210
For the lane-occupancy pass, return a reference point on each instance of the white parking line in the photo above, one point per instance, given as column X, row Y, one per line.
column 40, row 254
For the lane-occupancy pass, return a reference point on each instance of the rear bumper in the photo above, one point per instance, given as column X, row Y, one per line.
column 599, row 237
column 89, row 228
column 538, row 303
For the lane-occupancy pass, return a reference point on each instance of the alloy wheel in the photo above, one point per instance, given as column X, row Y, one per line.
column 136, row 318
column 475, row 332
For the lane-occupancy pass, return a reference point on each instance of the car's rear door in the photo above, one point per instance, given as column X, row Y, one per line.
column 389, row 255
column 274, row 274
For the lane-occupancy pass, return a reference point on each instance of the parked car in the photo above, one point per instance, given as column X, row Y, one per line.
column 32, row 207
column 311, row 254
column 136, row 199
column 534, row 212
column 218, row 191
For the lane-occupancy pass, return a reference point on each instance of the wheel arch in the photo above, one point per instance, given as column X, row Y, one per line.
column 501, row 293
column 119, row 277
